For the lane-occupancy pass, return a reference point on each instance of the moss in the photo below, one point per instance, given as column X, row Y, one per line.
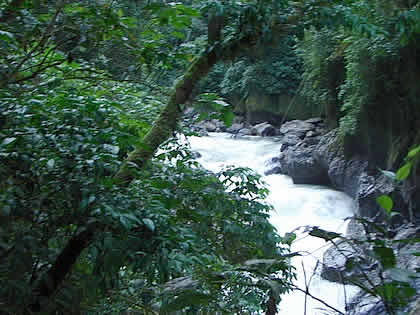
column 278, row 108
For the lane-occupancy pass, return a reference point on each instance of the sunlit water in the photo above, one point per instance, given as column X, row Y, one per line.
column 294, row 206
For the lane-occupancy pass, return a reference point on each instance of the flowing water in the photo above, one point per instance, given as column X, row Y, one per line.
column 294, row 206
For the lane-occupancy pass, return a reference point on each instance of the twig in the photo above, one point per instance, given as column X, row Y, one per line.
column 40, row 44
column 306, row 288
column 317, row 299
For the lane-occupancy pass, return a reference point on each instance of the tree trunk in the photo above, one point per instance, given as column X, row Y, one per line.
column 162, row 129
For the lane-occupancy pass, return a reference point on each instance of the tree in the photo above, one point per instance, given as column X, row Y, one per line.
column 74, row 207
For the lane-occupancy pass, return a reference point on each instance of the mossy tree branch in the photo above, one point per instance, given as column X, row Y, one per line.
column 162, row 129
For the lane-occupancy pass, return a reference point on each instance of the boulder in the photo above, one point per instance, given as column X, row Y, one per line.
column 238, row 120
column 289, row 140
column 415, row 309
column 196, row 154
column 235, row 128
column 220, row 125
column 369, row 188
column 298, row 128
column 312, row 133
column 274, row 170
column 207, row 126
column 314, row 120
column 311, row 140
column 299, row 164
column 364, row 304
column 264, row 129
column 273, row 166
column 190, row 112
column 334, row 263
column 245, row 132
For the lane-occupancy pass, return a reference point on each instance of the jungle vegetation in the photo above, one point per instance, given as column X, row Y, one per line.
column 92, row 220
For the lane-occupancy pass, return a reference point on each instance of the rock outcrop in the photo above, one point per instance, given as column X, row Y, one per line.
column 311, row 156
column 264, row 129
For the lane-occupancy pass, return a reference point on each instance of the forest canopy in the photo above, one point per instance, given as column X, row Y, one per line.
column 92, row 220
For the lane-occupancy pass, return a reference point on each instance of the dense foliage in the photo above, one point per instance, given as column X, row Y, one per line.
column 362, row 62
column 270, row 71
column 59, row 150
column 85, row 96
column 76, row 98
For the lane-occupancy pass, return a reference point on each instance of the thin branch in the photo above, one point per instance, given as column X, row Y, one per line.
column 10, row 12
column 34, row 74
column 317, row 299
column 306, row 289
column 40, row 43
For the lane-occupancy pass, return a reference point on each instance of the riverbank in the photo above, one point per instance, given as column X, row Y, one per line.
column 310, row 154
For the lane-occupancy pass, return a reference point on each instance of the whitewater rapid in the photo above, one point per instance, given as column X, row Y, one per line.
column 294, row 206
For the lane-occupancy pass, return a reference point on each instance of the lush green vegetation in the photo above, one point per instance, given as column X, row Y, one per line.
column 363, row 64
column 91, row 220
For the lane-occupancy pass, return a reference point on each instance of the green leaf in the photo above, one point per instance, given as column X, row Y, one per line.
column 403, row 171
column 6, row 210
column 111, row 148
column 385, row 256
column 6, row 36
column 50, row 164
column 320, row 233
column 385, row 202
column 389, row 174
column 289, row 238
column 228, row 118
column 350, row 264
column 178, row 35
column 185, row 299
column 401, row 275
column 149, row 224
column 413, row 152
column 8, row 141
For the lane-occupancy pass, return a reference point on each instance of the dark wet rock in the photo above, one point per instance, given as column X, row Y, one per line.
column 334, row 262
column 364, row 304
column 273, row 166
column 289, row 140
column 415, row 309
column 274, row 170
column 311, row 140
column 196, row 154
column 220, row 125
column 207, row 126
column 315, row 120
column 190, row 112
column 369, row 188
column 309, row 158
column 312, row 133
column 296, row 127
column 336, row 258
column 299, row 164
column 235, row 128
column 245, row 132
column 264, row 129
column 179, row 284
column 238, row 120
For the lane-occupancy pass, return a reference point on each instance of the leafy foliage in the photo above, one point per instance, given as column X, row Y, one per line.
column 389, row 282
column 58, row 151
column 277, row 71
column 360, row 41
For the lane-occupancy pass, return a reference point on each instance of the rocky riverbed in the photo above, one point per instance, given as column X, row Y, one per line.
column 310, row 154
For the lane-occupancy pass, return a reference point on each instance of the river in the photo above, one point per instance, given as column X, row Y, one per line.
column 294, row 206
